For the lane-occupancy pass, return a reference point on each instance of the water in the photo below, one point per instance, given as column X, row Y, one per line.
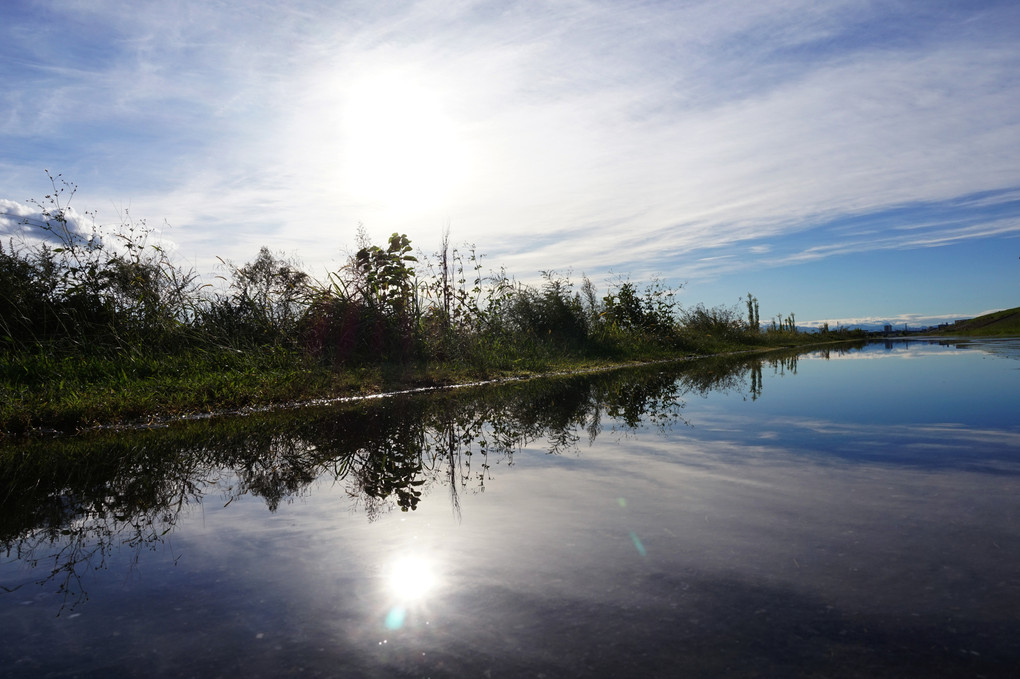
column 839, row 514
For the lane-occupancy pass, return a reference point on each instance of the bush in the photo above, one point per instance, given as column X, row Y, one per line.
column 89, row 286
column 552, row 316
column 74, row 288
column 720, row 322
column 264, row 304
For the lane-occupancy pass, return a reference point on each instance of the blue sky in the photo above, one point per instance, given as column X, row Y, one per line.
column 844, row 161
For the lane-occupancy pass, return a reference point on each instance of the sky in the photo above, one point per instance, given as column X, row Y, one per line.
column 845, row 161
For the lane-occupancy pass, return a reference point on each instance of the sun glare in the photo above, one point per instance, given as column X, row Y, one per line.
column 411, row 578
column 401, row 150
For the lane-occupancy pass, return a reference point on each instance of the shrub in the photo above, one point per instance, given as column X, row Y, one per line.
column 720, row 322
column 89, row 286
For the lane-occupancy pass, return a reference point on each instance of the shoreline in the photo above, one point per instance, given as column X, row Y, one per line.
column 356, row 384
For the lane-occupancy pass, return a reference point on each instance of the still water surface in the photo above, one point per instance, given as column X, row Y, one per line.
column 847, row 513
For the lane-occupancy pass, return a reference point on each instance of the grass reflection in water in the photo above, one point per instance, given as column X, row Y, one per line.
column 67, row 504
column 743, row 545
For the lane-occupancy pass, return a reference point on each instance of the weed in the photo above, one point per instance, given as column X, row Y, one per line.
column 99, row 323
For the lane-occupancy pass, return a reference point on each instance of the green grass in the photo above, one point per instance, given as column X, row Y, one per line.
column 1000, row 323
column 41, row 392
column 94, row 335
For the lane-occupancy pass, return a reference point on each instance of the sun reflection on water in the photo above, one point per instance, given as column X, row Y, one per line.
column 412, row 578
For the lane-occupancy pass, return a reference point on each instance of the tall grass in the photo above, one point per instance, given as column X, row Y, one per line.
column 90, row 312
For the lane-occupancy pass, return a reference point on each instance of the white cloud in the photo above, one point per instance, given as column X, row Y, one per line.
column 27, row 225
column 600, row 135
column 911, row 320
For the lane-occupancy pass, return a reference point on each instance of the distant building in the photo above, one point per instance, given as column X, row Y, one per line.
column 887, row 328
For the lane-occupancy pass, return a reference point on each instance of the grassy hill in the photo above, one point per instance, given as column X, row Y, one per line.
column 998, row 323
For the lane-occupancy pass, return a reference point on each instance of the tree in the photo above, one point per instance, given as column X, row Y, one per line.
column 752, row 313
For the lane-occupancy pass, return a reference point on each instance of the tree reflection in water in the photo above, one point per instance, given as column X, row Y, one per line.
column 67, row 504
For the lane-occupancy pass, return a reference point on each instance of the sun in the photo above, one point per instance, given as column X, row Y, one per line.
column 401, row 151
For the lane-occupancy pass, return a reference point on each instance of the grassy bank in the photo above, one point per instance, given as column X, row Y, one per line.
column 1004, row 323
column 99, row 325
column 41, row 392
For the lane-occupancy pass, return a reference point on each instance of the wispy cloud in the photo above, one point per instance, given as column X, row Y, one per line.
column 699, row 138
